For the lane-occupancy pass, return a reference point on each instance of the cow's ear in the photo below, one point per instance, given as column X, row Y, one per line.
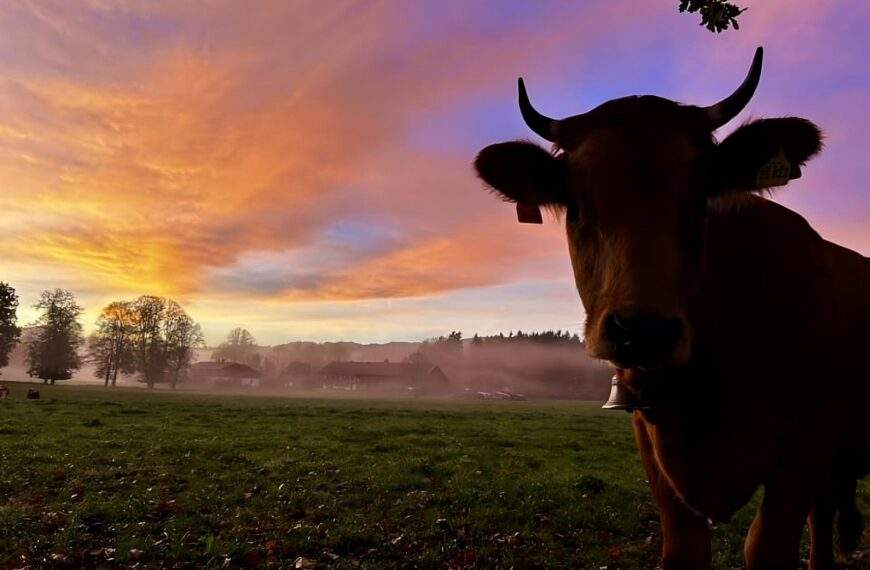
column 524, row 173
column 766, row 153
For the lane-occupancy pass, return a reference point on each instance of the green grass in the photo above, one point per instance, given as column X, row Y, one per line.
column 95, row 477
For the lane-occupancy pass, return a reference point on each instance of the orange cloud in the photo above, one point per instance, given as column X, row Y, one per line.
column 477, row 257
column 160, row 180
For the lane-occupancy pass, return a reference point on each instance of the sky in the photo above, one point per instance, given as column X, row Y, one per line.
column 303, row 169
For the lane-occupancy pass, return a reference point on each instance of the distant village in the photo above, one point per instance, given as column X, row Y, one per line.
column 151, row 341
column 512, row 366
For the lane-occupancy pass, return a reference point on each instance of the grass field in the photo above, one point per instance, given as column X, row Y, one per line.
column 91, row 477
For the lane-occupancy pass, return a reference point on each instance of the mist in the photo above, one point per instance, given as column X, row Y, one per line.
column 530, row 369
column 474, row 368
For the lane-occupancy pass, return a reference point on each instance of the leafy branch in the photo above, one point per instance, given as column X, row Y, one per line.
column 716, row 15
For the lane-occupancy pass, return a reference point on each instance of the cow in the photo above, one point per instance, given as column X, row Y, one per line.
column 737, row 333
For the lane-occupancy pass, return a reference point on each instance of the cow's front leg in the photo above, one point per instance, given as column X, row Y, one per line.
column 685, row 534
column 773, row 542
column 821, row 521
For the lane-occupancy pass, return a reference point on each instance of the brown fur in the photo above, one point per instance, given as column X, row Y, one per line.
column 767, row 384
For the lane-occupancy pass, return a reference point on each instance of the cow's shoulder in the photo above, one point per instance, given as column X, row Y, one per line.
column 805, row 298
column 754, row 217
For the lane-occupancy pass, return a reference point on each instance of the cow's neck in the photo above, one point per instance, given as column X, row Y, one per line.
column 760, row 286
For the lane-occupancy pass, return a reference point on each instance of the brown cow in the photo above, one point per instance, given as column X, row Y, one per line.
column 742, row 334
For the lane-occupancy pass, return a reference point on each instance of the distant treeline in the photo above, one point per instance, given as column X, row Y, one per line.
column 545, row 337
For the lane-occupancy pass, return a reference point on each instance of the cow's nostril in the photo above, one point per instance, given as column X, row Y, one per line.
column 618, row 330
column 642, row 338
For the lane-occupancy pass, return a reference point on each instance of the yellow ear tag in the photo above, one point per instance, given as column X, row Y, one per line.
column 777, row 172
column 528, row 213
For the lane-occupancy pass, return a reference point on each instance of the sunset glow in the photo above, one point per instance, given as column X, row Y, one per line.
column 303, row 168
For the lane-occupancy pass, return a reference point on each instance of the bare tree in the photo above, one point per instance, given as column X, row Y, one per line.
column 9, row 331
column 240, row 346
column 182, row 335
column 110, row 347
column 53, row 353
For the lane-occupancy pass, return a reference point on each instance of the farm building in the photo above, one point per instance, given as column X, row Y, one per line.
column 383, row 376
column 220, row 374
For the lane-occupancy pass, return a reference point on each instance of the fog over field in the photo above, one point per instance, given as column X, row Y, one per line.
column 473, row 367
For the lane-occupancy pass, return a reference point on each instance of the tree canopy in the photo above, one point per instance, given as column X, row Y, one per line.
column 240, row 346
column 181, row 335
column 53, row 353
column 163, row 340
column 110, row 346
column 9, row 330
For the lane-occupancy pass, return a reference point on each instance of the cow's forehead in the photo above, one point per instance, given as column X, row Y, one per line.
column 636, row 119
column 652, row 170
column 631, row 149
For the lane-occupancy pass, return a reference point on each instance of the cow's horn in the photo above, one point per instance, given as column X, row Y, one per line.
column 542, row 125
column 728, row 108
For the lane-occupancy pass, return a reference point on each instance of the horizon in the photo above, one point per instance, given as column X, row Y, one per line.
column 304, row 170
column 507, row 334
